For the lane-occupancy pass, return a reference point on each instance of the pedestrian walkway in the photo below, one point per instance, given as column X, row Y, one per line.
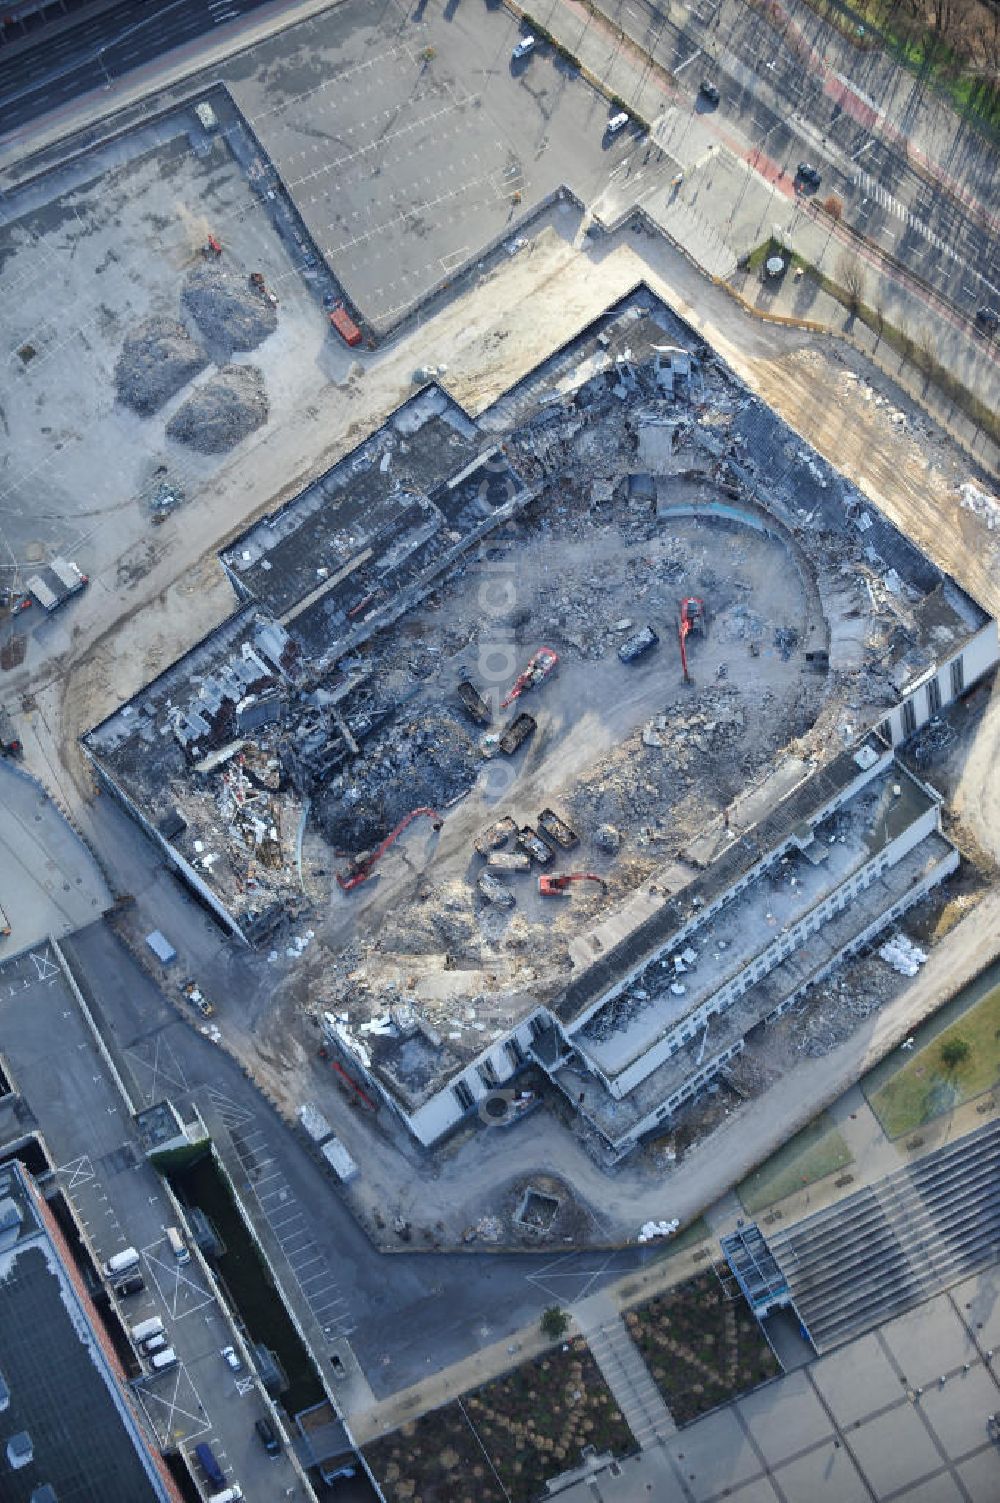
column 625, row 1371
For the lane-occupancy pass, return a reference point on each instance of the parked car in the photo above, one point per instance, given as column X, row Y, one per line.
column 524, row 46
column 988, row 319
column 709, row 92
column 231, row 1358
column 616, row 123
column 134, row 1284
column 268, row 1437
column 808, row 174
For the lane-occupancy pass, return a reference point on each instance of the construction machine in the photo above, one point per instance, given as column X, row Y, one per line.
column 361, row 867
column 212, row 247
column 538, row 669
column 692, row 618
column 556, row 886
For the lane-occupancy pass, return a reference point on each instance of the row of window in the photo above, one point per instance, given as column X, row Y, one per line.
column 933, row 696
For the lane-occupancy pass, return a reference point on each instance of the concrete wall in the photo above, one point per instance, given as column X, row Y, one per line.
column 977, row 657
column 183, row 868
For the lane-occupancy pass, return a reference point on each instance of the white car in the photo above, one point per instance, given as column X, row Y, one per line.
column 231, row 1358
column 617, row 123
column 524, row 46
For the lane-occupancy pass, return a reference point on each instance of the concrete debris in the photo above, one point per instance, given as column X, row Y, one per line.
column 223, row 411
column 608, row 838
column 650, row 1231
column 226, row 309
column 981, row 504
column 494, row 891
column 157, row 359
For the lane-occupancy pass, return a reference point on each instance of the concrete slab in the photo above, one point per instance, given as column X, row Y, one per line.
column 51, row 883
column 929, row 1341
column 824, row 1475
column 894, row 1450
column 957, row 1412
column 857, row 1380
column 979, row 1475
column 714, row 1454
column 785, row 1418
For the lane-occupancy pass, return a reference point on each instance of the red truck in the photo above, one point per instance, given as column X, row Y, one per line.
column 345, row 325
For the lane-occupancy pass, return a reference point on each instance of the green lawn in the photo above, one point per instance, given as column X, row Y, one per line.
column 922, row 1087
column 815, row 1152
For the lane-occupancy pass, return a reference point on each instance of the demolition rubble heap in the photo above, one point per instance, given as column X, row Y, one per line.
column 628, row 479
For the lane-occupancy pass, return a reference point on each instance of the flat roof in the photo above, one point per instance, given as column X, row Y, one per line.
column 358, row 499
column 62, row 1391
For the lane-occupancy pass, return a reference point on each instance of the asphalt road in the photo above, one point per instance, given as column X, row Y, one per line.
column 102, row 49
column 404, row 1314
column 792, row 113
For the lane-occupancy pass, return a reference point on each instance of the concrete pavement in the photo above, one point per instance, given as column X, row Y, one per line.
column 49, row 881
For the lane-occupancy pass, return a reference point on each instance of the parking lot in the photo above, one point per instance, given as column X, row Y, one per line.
column 408, row 146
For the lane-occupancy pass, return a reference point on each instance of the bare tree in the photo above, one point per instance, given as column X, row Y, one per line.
column 851, row 276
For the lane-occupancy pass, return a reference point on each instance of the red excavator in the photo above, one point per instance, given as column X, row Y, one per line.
column 556, row 886
column 692, row 618
column 538, row 669
column 361, row 867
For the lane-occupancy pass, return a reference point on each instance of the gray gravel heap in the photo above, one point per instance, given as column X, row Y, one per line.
column 157, row 359
column 230, row 315
column 223, row 411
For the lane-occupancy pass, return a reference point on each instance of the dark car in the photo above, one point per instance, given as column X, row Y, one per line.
column 807, row 173
column 267, row 1436
column 709, row 92
column 134, row 1284
column 988, row 319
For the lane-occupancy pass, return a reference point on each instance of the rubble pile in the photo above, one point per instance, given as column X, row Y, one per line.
column 158, row 357
column 223, row 411
column 230, row 315
column 430, row 761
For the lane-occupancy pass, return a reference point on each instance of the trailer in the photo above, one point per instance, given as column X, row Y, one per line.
column 339, row 1160
column 529, row 840
column 10, row 741
column 551, row 826
column 496, row 836
column 516, row 733
column 345, row 325
column 54, row 584
column 474, row 703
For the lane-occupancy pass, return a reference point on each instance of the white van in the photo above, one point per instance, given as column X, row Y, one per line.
column 121, row 1263
column 154, row 1343
column 228, row 1494
column 177, row 1247
column 146, row 1328
column 164, row 1359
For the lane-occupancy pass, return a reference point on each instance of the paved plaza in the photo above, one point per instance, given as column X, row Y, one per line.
column 899, row 1414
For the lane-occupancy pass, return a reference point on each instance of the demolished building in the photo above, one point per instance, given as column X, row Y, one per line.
column 219, row 757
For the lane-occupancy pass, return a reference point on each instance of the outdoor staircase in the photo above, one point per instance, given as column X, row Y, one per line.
column 627, row 1375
